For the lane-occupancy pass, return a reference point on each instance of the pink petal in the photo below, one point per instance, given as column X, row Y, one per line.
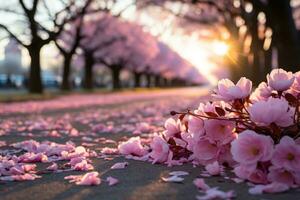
column 119, row 165
column 174, row 179
column 274, row 187
column 214, row 168
column 112, row 181
column 200, row 184
column 178, row 173
column 53, row 167
column 215, row 193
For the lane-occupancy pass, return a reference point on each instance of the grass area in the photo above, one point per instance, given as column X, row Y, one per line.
column 19, row 96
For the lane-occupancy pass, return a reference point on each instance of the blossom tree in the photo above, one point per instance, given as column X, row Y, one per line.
column 77, row 29
column 68, row 42
column 131, row 52
column 96, row 37
column 119, row 44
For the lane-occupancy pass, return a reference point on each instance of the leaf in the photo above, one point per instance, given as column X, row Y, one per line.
column 291, row 99
column 211, row 114
column 181, row 116
column 172, row 142
column 220, row 111
column 238, row 104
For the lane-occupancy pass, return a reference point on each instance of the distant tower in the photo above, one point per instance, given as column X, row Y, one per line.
column 12, row 52
column 13, row 57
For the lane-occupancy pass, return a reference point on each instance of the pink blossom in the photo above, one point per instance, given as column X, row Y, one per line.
column 160, row 149
column 205, row 152
column 132, row 147
column 287, row 154
column 172, row 128
column 143, row 127
column 23, row 177
column 53, row 133
column 196, row 126
column 206, row 107
column 108, row 150
column 2, row 143
column 281, row 175
column 28, row 145
column 83, row 166
column 244, row 171
column 91, row 178
column 112, row 181
column 53, row 167
column 225, row 156
column 213, row 168
column 200, row 184
column 274, row 187
column 274, row 110
column 74, row 132
column 228, row 91
column 29, row 167
column 76, row 160
column 251, row 173
column 32, row 157
column 219, row 131
column 262, row 92
column 280, row 80
column 16, row 170
column 251, row 147
column 295, row 88
column 258, row 176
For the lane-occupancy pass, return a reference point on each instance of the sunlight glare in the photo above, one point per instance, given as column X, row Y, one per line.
column 220, row 48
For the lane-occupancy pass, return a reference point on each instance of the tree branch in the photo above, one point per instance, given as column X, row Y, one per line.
column 26, row 10
column 8, row 10
column 124, row 9
column 13, row 35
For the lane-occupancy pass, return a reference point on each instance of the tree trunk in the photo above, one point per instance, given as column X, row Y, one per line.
column 66, row 73
column 268, row 61
column 285, row 34
column 165, row 82
column 35, row 82
column 256, row 48
column 137, row 79
column 116, row 76
column 88, row 72
column 148, row 77
column 157, row 81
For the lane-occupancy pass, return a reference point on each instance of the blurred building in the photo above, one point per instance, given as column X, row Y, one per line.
column 12, row 63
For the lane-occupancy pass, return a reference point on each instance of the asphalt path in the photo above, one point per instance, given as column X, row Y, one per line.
column 139, row 180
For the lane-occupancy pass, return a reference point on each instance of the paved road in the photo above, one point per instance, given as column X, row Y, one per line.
column 139, row 180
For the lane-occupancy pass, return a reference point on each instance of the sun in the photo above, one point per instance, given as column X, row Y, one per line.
column 220, row 48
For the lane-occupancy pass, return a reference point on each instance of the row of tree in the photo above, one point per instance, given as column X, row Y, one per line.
column 87, row 30
column 262, row 32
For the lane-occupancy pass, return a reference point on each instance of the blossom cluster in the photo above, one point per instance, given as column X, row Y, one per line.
column 257, row 134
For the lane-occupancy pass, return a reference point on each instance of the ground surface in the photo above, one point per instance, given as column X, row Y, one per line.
column 119, row 115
